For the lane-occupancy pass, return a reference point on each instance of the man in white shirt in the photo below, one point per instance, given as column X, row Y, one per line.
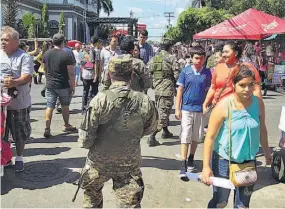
column 16, row 70
column 107, row 53
column 78, row 57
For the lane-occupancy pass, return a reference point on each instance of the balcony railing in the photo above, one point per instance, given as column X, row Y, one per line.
column 90, row 8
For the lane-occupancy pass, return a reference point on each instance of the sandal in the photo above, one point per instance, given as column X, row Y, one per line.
column 47, row 133
column 69, row 128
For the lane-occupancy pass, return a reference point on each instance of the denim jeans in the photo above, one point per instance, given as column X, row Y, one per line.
column 242, row 195
column 63, row 95
column 87, row 93
column 77, row 73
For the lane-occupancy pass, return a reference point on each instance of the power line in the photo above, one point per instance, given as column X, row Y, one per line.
column 169, row 15
column 155, row 15
column 156, row 28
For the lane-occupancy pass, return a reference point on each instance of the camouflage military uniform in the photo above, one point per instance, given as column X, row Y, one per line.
column 141, row 80
column 115, row 122
column 165, row 87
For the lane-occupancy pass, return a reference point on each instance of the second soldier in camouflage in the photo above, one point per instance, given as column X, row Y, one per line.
column 165, row 71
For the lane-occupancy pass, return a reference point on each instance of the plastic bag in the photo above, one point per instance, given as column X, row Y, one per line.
column 6, row 152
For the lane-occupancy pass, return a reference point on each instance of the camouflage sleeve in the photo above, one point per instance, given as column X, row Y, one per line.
column 106, row 80
column 175, row 68
column 91, row 121
column 145, row 76
column 149, row 115
column 149, row 69
column 149, row 66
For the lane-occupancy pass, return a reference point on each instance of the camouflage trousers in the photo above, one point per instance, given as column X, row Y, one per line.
column 164, row 106
column 128, row 187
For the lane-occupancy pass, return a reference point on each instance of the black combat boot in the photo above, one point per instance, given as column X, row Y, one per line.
column 152, row 142
column 166, row 133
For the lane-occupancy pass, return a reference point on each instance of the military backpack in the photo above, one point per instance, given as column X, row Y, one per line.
column 161, row 66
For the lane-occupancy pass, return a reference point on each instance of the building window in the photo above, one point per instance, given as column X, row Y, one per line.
column 53, row 27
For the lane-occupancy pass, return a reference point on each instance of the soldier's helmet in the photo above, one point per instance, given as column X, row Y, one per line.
column 166, row 44
column 120, row 68
column 167, row 41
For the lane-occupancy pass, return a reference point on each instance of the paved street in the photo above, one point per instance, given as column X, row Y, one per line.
column 53, row 164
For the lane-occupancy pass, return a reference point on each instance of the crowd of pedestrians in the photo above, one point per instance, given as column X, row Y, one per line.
column 226, row 100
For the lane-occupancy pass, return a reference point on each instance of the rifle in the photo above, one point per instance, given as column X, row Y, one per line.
column 80, row 180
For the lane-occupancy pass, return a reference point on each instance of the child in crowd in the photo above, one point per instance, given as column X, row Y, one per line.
column 193, row 84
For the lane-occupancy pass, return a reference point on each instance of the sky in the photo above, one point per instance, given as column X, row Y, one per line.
column 150, row 12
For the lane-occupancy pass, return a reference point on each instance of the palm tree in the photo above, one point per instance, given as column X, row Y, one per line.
column 10, row 11
column 106, row 5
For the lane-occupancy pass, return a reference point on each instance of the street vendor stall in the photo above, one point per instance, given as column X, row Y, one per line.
column 276, row 61
column 256, row 25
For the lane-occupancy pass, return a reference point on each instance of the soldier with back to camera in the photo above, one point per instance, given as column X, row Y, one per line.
column 113, row 126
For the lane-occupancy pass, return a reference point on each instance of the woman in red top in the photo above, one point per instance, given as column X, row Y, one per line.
column 221, row 83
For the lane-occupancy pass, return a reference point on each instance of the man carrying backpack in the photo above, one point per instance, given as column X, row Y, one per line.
column 91, row 72
column 112, row 128
column 165, row 72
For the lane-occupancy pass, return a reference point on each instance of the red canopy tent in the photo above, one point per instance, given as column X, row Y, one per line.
column 73, row 42
column 120, row 31
column 250, row 25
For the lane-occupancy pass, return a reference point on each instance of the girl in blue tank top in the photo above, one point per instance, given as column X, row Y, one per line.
column 248, row 130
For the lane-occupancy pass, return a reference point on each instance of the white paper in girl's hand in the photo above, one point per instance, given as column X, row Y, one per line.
column 282, row 119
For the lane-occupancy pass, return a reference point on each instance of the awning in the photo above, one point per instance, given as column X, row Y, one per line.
column 274, row 36
column 249, row 25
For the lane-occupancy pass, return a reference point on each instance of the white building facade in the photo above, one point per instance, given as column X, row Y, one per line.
column 75, row 14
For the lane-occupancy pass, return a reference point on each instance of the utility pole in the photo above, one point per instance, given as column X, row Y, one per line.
column 84, row 21
column 169, row 15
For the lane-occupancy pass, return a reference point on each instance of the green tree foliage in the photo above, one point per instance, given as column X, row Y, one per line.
column 193, row 20
column 235, row 7
column 277, row 7
column 173, row 33
column 31, row 31
column 61, row 23
column 44, row 21
column 28, row 19
column 106, row 5
column 10, row 11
